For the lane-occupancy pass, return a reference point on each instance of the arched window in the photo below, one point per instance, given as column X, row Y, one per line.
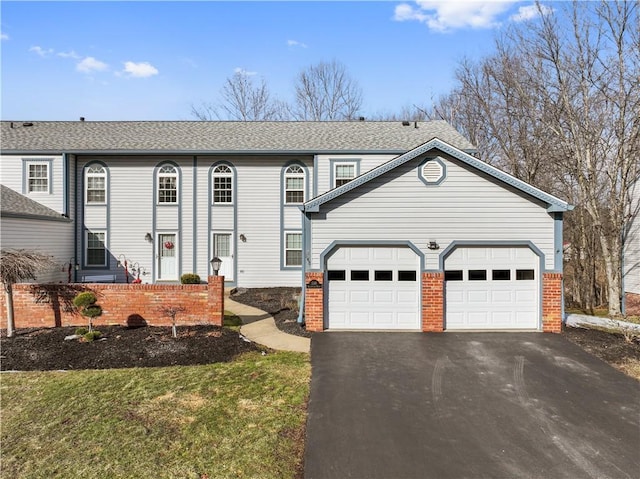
column 96, row 184
column 222, row 184
column 294, row 185
column 167, row 184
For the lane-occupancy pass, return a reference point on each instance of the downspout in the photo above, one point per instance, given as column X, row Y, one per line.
column 76, row 230
column 65, row 185
column 305, row 255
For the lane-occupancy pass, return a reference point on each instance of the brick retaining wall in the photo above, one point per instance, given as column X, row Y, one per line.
column 49, row 305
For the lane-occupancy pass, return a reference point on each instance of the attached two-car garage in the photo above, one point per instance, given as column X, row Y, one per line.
column 486, row 288
column 433, row 240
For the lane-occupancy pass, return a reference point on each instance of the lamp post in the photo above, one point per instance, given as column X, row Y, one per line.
column 215, row 265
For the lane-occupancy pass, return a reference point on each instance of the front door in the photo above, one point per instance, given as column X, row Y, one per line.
column 223, row 249
column 167, row 257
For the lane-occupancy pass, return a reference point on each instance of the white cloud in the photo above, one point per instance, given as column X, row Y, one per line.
column 295, row 43
column 41, row 51
column 244, row 72
column 4, row 36
column 530, row 12
column 71, row 54
column 140, row 70
column 443, row 16
column 90, row 64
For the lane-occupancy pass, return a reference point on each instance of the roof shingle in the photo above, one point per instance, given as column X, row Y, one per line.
column 13, row 204
column 223, row 136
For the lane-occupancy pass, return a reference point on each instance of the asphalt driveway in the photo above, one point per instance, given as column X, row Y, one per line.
column 467, row 405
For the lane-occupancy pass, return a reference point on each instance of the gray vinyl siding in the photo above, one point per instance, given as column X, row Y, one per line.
column 131, row 213
column 52, row 238
column 326, row 162
column 12, row 168
column 632, row 248
column 398, row 206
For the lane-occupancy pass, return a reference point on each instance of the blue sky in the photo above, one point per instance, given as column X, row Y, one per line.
column 153, row 60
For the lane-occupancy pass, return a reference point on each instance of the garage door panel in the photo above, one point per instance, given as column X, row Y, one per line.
column 383, row 298
column 477, row 296
column 408, row 297
column 526, row 296
column 383, row 304
column 503, row 303
column 502, row 296
column 359, row 296
column 383, row 319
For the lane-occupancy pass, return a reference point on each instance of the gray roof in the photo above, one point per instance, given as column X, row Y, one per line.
column 554, row 204
column 223, row 136
column 13, row 204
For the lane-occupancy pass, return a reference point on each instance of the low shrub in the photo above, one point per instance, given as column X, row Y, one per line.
column 92, row 336
column 81, row 331
column 190, row 278
column 86, row 303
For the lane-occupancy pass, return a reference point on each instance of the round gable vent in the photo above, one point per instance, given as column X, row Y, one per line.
column 432, row 171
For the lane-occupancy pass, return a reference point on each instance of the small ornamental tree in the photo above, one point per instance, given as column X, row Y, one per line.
column 172, row 312
column 18, row 265
column 86, row 304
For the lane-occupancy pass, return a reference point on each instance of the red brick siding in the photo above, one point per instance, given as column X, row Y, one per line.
column 121, row 304
column 314, row 303
column 632, row 304
column 552, row 302
column 433, row 302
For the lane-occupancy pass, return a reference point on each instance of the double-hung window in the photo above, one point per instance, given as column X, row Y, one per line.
column 96, row 252
column 96, row 181
column 222, row 185
column 38, row 177
column 294, row 185
column 293, row 249
column 344, row 173
column 167, row 184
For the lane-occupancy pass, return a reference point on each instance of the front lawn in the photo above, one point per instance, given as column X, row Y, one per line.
column 239, row 419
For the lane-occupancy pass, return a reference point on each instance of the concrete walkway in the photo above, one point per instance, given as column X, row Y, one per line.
column 260, row 327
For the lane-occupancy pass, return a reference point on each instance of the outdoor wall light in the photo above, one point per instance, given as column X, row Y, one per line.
column 243, row 238
column 148, row 238
column 433, row 245
column 215, row 265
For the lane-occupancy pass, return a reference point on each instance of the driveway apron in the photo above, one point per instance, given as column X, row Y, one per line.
column 467, row 405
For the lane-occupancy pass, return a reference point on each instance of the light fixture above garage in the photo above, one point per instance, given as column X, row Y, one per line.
column 433, row 245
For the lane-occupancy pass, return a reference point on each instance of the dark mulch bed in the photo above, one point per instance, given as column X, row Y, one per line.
column 609, row 347
column 281, row 303
column 124, row 347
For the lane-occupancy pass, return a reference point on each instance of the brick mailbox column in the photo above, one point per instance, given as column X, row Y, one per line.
column 552, row 302
column 314, row 301
column 216, row 299
column 433, row 302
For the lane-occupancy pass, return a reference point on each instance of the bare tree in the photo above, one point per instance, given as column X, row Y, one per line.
column 326, row 91
column 558, row 105
column 244, row 98
column 171, row 312
column 16, row 266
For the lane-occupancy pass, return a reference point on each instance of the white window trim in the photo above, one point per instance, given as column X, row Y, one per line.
column 285, row 249
column 215, row 175
column 47, row 164
column 343, row 163
column 301, row 175
column 86, row 249
column 175, row 175
column 86, row 184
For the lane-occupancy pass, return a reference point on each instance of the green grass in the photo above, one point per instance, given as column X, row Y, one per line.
column 243, row 419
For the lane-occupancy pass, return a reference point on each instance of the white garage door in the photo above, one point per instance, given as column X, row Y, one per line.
column 492, row 288
column 374, row 288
